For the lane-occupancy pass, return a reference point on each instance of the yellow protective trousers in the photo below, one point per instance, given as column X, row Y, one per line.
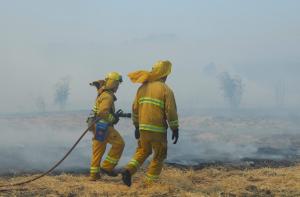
column 148, row 142
column 113, row 156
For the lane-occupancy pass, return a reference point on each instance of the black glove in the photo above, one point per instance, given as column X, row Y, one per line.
column 96, row 84
column 175, row 135
column 137, row 133
column 117, row 116
column 119, row 113
column 116, row 119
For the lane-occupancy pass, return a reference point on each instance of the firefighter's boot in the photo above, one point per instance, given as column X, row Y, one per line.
column 94, row 177
column 112, row 173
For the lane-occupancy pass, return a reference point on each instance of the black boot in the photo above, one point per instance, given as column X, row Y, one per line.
column 109, row 173
column 126, row 177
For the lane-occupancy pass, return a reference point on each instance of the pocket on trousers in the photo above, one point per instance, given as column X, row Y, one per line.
column 162, row 150
column 101, row 131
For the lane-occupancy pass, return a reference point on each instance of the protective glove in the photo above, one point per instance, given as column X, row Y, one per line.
column 175, row 135
column 117, row 116
column 119, row 112
column 90, row 119
column 137, row 133
column 96, row 84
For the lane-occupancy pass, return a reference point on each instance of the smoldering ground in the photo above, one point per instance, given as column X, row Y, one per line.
column 33, row 143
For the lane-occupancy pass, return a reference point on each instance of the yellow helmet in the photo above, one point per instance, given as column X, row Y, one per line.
column 114, row 76
column 161, row 69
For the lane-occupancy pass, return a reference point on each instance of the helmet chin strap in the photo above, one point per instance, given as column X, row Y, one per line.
column 111, row 84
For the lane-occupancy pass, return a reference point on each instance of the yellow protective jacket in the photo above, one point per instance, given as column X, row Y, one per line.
column 154, row 108
column 105, row 107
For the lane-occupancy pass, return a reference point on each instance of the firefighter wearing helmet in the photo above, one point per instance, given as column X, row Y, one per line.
column 154, row 110
column 104, row 131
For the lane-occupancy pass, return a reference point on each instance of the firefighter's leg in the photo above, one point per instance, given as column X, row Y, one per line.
column 155, row 167
column 98, row 151
column 116, row 150
column 142, row 152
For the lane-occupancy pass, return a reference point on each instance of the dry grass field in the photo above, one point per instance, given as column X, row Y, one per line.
column 210, row 181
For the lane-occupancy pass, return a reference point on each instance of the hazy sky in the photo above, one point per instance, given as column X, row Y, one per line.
column 44, row 41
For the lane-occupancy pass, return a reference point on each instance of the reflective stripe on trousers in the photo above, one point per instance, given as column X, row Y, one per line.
column 134, row 163
column 94, row 170
column 111, row 160
column 151, row 177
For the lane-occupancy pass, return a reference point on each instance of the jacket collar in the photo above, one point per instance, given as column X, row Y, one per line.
column 111, row 93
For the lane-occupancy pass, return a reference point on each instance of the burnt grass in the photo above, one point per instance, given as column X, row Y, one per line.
column 243, row 164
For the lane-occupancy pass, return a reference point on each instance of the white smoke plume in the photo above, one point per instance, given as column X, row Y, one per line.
column 34, row 142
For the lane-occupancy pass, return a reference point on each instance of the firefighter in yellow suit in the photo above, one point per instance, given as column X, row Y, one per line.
column 154, row 110
column 104, row 108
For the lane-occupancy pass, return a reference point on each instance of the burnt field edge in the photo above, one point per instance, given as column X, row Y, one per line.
column 243, row 164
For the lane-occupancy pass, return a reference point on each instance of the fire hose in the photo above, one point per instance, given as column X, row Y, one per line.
column 54, row 166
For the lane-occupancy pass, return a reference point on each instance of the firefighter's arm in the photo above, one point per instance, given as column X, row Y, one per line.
column 171, row 110
column 104, row 106
column 135, row 111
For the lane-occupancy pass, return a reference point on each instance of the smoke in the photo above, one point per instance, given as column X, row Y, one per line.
column 232, row 89
column 33, row 143
column 62, row 91
column 280, row 94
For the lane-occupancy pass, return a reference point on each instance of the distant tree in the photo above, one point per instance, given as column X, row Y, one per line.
column 232, row 89
column 210, row 69
column 280, row 94
column 40, row 104
column 62, row 91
